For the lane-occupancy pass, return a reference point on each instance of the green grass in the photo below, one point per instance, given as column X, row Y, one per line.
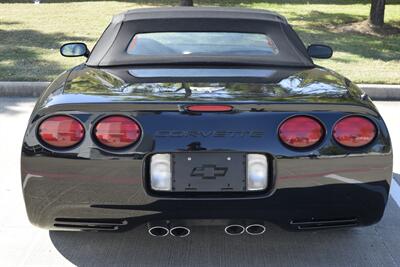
column 30, row 35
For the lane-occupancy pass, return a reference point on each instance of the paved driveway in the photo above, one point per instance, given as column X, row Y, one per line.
column 24, row 245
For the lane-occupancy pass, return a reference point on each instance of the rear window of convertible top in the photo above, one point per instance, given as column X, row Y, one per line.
column 202, row 44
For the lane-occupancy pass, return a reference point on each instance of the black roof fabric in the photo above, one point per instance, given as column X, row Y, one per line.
column 198, row 12
column 110, row 50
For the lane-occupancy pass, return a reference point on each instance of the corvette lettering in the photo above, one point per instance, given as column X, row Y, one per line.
column 174, row 133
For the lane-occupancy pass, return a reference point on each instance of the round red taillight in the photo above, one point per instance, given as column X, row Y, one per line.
column 354, row 131
column 301, row 132
column 117, row 131
column 61, row 131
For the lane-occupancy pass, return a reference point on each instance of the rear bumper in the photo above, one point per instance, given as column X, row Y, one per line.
column 82, row 192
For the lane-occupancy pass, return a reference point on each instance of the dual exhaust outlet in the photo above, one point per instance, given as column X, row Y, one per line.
column 162, row 230
column 251, row 229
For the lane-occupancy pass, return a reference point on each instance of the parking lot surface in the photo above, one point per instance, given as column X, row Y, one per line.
column 24, row 245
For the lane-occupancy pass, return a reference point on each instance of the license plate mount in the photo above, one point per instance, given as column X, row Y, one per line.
column 209, row 172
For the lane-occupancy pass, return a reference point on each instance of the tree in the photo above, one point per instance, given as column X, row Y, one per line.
column 186, row 2
column 377, row 13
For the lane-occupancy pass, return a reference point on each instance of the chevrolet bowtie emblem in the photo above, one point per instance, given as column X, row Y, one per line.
column 209, row 171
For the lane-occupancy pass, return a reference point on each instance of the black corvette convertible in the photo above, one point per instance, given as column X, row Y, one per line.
column 203, row 116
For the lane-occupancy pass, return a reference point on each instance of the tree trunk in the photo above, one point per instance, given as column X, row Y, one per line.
column 186, row 2
column 377, row 13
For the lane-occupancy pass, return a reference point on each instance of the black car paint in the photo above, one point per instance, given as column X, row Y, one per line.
column 88, row 185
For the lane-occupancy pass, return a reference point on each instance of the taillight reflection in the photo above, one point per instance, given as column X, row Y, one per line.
column 301, row 132
column 354, row 131
column 117, row 131
column 61, row 131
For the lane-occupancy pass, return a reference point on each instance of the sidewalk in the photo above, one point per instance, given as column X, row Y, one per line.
column 34, row 89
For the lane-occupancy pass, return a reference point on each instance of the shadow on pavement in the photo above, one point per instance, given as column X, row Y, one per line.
column 375, row 245
column 209, row 246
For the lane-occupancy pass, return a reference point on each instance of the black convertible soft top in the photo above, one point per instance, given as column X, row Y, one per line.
column 110, row 49
column 198, row 12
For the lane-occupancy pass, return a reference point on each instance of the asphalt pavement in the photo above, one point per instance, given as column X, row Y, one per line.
column 22, row 244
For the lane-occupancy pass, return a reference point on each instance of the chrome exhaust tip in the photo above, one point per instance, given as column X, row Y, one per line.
column 158, row 231
column 234, row 229
column 255, row 229
column 179, row 231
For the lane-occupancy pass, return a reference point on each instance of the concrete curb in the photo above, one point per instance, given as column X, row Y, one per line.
column 382, row 91
column 34, row 89
column 22, row 89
